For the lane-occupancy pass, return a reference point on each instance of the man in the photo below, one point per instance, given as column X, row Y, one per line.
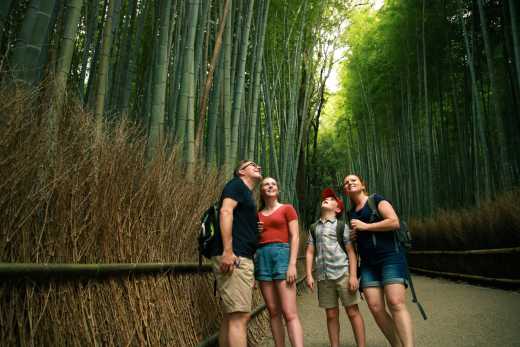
column 233, row 260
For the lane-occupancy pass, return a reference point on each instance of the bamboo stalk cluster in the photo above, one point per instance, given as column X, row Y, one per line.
column 430, row 103
column 220, row 80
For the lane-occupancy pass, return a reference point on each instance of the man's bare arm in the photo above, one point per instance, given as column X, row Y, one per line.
column 226, row 227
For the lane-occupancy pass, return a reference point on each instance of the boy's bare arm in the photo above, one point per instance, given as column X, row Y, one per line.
column 352, row 260
column 309, row 257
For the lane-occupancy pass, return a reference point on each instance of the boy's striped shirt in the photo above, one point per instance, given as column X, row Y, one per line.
column 331, row 260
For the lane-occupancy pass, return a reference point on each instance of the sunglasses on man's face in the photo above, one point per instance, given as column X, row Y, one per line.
column 250, row 164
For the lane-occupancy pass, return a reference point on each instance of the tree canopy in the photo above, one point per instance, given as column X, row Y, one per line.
column 428, row 106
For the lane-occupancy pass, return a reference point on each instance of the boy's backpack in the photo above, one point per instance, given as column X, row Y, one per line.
column 340, row 228
column 209, row 228
column 405, row 239
column 403, row 233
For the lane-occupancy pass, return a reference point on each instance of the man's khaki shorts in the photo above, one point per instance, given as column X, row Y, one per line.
column 330, row 290
column 236, row 287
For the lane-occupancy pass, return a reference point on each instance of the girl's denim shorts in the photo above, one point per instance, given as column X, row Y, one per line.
column 389, row 269
column 272, row 261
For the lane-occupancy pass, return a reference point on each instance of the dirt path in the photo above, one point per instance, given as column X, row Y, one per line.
column 459, row 315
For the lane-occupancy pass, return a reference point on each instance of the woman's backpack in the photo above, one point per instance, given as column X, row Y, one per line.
column 403, row 233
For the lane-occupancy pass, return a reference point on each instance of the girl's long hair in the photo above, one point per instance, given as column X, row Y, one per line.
column 261, row 203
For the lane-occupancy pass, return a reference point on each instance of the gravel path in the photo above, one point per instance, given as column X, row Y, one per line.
column 459, row 315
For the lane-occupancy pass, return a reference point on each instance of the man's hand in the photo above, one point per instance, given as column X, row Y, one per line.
column 352, row 235
column 358, row 225
column 310, row 282
column 353, row 284
column 291, row 275
column 227, row 262
column 260, row 227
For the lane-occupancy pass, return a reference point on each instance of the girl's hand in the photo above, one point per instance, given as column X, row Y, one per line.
column 310, row 282
column 358, row 225
column 291, row 275
column 353, row 284
column 260, row 227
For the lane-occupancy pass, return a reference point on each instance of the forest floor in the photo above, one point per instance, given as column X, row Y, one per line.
column 459, row 314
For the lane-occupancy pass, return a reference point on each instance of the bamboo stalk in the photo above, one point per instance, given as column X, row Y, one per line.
column 31, row 269
column 473, row 251
column 209, row 80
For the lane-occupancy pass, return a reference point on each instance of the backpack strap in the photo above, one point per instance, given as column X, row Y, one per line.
column 312, row 230
column 414, row 295
column 348, row 218
column 340, row 230
column 375, row 212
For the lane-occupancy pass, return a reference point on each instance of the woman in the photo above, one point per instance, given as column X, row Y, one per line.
column 275, row 263
column 383, row 262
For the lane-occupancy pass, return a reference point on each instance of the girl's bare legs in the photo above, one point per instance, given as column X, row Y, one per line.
column 287, row 297
column 273, row 304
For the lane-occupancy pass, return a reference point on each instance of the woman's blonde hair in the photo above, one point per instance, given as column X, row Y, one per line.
column 261, row 204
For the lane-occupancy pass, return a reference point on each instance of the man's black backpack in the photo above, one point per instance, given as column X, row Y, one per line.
column 209, row 229
column 404, row 237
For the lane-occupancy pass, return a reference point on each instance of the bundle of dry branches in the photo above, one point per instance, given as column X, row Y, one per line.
column 69, row 197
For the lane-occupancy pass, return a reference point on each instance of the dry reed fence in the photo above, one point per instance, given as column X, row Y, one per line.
column 92, row 200
column 495, row 225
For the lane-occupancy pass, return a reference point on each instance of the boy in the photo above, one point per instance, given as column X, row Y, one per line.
column 336, row 279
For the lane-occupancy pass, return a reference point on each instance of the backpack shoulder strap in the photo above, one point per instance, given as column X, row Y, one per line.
column 372, row 204
column 312, row 230
column 216, row 209
column 340, row 230
column 348, row 219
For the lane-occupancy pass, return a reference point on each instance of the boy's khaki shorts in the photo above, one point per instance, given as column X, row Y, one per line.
column 236, row 287
column 330, row 290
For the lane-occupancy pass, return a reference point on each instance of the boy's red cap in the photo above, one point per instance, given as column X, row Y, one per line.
column 328, row 192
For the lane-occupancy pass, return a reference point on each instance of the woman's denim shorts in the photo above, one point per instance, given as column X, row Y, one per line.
column 389, row 269
column 272, row 261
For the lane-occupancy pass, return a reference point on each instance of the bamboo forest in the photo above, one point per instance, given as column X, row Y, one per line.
column 121, row 121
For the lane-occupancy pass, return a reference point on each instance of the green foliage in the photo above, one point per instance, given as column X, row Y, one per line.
column 407, row 121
